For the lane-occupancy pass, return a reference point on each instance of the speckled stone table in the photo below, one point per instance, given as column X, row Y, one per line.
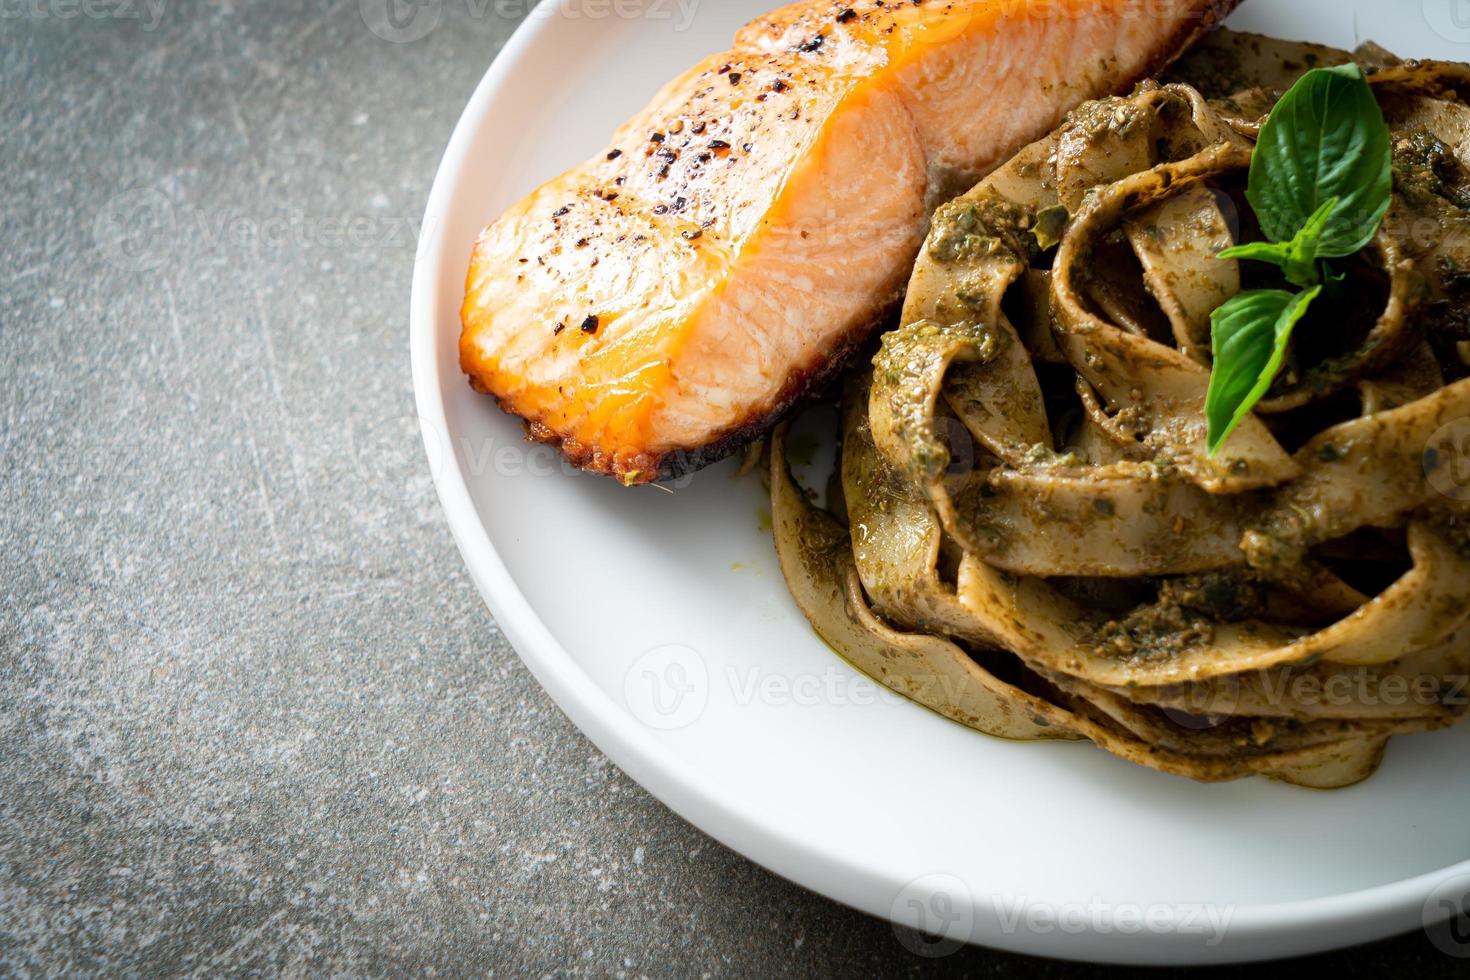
column 253, row 716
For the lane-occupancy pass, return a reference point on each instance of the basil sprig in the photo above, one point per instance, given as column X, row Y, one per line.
column 1320, row 184
column 1298, row 258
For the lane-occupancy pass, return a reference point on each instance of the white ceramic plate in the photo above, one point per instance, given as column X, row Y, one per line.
column 660, row 624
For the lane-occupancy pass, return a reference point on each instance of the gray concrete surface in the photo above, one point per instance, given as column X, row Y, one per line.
column 253, row 716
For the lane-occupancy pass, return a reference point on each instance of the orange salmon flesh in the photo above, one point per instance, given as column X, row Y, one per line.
column 655, row 307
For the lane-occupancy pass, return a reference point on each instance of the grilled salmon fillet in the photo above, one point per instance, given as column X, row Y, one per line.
column 653, row 308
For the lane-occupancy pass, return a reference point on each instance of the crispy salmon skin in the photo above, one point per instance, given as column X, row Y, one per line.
column 652, row 308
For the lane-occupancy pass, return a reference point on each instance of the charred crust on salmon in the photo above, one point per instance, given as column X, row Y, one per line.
column 674, row 463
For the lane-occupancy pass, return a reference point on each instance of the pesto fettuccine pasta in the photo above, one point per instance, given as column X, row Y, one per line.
column 1043, row 528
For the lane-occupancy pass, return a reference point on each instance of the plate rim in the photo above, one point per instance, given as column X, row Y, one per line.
column 1256, row 932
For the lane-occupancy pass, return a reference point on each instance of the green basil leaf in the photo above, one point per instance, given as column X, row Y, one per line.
column 1250, row 334
column 1326, row 138
column 1277, row 253
column 1298, row 257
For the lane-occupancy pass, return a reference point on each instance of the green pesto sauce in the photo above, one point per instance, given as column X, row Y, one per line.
column 983, row 228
